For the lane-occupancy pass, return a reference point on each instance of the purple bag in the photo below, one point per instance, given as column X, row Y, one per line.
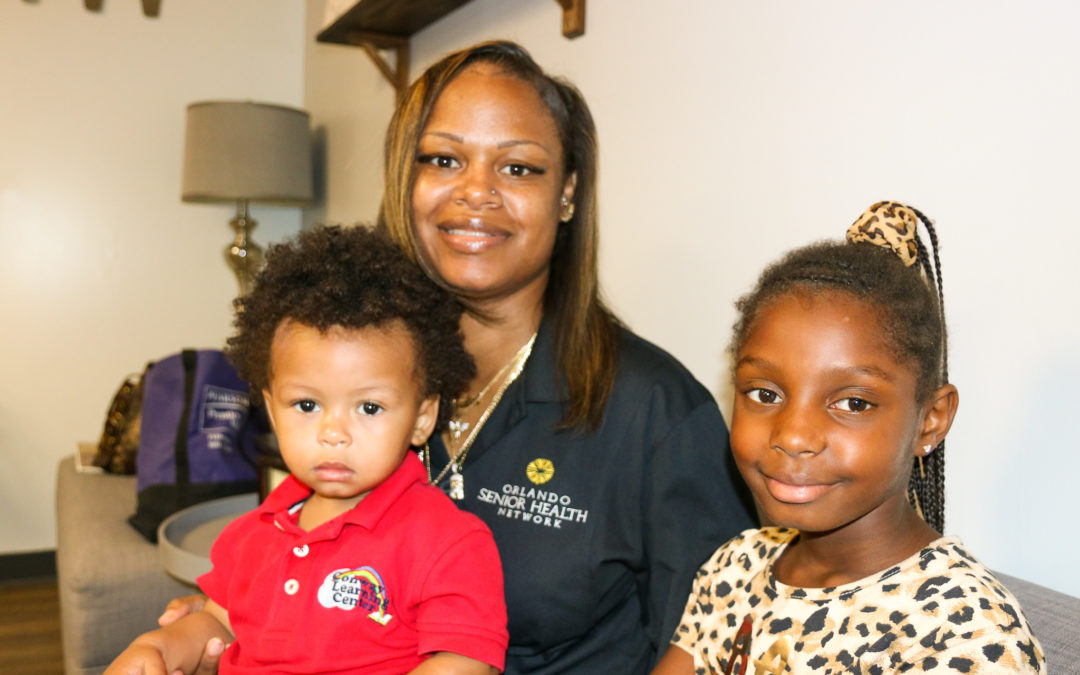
column 197, row 440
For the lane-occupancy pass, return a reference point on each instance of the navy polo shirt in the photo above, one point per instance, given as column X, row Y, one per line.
column 600, row 533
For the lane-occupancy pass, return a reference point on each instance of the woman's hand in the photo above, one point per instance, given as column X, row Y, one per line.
column 138, row 659
column 212, row 650
column 211, row 657
column 193, row 644
column 179, row 607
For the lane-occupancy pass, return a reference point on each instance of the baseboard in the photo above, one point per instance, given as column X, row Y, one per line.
column 22, row 566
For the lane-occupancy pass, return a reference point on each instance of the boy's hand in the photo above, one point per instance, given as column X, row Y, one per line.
column 180, row 607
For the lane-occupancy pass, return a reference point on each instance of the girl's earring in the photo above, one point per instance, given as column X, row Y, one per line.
column 915, row 502
column 927, row 449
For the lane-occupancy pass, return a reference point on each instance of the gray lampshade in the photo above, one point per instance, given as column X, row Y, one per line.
column 243, row 150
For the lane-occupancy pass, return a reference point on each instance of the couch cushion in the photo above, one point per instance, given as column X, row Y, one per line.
column 112, row 586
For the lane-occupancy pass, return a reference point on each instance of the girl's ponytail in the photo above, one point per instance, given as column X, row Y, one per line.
column 894, row 226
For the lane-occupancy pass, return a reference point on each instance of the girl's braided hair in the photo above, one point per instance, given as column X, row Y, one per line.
column 909, row 301
column 352, row 277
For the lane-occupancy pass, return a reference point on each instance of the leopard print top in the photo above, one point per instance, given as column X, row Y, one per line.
column 940, row 610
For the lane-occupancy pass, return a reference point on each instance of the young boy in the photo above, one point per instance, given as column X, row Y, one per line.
column 353, row 564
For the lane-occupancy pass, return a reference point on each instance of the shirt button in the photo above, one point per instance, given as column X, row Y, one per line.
column 300, row 551
column 292, row 586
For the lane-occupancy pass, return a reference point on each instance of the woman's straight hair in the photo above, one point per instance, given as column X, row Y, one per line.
column 586, row 331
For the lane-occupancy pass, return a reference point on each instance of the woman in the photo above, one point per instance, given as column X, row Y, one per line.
column 597, row 460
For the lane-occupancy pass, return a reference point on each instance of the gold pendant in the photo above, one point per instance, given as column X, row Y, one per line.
column 457, row 427
column 457, row 485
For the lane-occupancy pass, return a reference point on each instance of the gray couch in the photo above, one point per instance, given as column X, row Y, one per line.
column 112, row 587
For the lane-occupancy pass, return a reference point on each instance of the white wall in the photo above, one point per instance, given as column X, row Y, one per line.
column 102, row 268
column 350, row 105
column 733, row 130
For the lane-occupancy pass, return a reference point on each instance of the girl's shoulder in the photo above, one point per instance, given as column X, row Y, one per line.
column 946, row 577
column 960, row 610
column 946, row 566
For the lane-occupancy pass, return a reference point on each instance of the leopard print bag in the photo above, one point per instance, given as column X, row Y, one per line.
column 120, row 438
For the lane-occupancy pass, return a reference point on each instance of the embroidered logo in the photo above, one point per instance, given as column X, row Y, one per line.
column 533, row 505
column 349, row 589
column 540, row 470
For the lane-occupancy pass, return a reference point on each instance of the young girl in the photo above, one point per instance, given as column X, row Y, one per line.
column 841, row 410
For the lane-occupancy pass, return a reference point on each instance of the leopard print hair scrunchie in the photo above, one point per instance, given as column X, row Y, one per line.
column 890, row 225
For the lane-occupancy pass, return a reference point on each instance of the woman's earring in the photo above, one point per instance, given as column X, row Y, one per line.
column 567, row 210
column 927, row 448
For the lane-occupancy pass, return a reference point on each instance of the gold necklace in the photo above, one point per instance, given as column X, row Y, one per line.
column 458, row 426
column 457, row 457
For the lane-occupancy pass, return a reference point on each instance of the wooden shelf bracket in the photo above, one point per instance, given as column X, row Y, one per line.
column 151, row 8
column 573, row 18
column 373, row 44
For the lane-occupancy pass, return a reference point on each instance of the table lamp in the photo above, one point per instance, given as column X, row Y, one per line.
column 241, row 151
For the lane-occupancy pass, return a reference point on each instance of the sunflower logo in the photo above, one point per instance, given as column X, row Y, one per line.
column 540, row 470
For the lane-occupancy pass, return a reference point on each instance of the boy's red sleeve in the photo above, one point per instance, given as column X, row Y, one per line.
column 462, row 607
column 215, row 583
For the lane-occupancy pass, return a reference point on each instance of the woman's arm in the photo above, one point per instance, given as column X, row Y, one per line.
column 445, row 663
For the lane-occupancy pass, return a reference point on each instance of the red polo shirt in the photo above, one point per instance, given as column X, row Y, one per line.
column 375, row 590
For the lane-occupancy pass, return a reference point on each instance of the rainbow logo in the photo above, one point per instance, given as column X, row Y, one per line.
column 362, row 588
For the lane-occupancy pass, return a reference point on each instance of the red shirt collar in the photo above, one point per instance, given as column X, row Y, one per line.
column 367, row 514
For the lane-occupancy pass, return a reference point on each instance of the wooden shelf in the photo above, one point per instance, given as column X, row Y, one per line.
column 391, row 18
column 376, row 25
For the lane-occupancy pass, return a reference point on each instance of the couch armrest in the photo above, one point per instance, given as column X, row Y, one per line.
column 111, row 583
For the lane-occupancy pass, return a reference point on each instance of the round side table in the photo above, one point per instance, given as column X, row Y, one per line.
column 185, row 537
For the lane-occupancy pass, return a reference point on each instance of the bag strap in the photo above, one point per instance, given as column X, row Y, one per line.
column 183, row 465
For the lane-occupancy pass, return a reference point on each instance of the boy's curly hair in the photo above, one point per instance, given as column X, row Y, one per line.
column 352, row 277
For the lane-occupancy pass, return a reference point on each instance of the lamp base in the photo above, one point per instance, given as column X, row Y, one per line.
column 243, row 255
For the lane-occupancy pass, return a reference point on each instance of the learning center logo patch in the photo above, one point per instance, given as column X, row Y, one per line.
column 540, row 470
column 361, row 588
